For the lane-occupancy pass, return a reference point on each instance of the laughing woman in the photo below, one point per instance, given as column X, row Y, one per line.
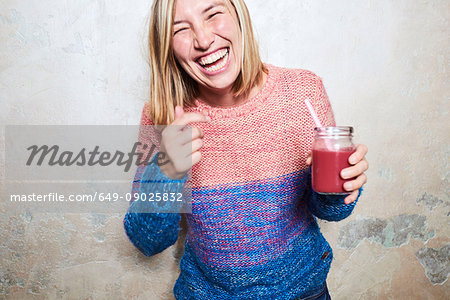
column 252, row 233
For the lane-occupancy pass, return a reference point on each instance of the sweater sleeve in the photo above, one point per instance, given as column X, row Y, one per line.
column 154, row 232
column 149, row 227
column 330, row 207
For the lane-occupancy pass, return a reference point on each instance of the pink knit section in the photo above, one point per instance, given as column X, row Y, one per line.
column 267, row 136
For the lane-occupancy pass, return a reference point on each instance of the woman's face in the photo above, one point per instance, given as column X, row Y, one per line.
column 207, row 42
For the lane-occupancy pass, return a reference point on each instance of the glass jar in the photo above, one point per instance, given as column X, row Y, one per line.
column 332, row 147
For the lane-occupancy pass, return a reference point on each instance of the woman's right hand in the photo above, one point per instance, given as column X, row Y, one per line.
column 182, row 147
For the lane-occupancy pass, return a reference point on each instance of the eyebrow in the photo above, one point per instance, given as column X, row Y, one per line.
column 211, row 6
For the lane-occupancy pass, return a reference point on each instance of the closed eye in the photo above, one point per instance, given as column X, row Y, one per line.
column 214, row 14
column 179, row 30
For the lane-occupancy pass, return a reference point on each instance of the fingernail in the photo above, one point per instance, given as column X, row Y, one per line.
column 344, row 174
column 347, row 186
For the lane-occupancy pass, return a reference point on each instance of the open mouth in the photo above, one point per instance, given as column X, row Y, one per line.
column 214, row 61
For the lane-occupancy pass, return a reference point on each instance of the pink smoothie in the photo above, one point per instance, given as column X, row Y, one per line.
column 326, row 169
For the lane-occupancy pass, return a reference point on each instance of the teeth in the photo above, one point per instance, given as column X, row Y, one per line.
column 213, row 57
column 219, row 66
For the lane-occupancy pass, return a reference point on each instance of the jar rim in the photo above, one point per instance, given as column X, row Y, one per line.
column 334, row 130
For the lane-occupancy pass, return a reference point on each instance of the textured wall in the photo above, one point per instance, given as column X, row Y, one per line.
column 385, row 66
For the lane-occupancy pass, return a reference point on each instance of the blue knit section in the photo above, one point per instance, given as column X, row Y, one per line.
column 152, row 233
column 255, row 240
column 331, row 207
column 299, row 272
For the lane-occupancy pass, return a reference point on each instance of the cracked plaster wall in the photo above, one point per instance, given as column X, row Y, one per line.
column 385, row 67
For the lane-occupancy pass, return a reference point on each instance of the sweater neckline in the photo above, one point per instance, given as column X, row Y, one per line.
column 242, row 108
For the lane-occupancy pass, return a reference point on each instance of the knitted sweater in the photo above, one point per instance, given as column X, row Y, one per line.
column 252, row 233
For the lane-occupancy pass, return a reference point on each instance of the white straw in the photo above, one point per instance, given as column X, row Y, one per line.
column 328, row 145
column 313, row 113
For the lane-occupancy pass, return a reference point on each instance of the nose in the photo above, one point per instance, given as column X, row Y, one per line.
column 203, row 37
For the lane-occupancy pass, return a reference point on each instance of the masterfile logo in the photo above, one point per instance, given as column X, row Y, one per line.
column 55, row 156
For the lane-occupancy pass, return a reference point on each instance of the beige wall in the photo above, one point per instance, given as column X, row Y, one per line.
column 385, row 65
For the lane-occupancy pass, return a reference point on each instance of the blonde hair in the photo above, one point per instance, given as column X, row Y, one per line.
column 170, row 85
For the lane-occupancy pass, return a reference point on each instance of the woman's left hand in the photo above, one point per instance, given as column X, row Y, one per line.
column 356, row 171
